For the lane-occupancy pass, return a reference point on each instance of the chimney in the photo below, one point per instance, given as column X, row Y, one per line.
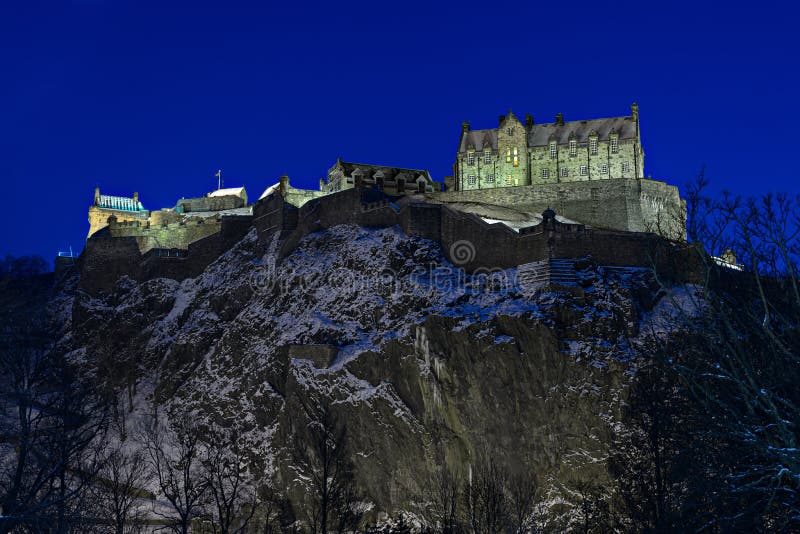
column 465, row 126
column 284, row 184
column 96, row 196
column 635, row 111
column 560, row 119
column 136, row 196
column 529, row 120
column 501, row 119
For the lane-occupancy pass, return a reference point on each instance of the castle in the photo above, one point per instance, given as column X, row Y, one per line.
column 522, row 192
column 516, row 154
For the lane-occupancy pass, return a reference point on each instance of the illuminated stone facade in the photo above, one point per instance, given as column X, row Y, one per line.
column 515, row 154
column 393, row 180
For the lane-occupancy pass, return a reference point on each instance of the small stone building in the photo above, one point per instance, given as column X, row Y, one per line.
column 123, row 208
column 219, row 200
column 393, row 180
column 515, row 154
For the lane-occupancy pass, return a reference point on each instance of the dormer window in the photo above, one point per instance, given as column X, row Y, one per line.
column 553, row 150
column 516, row 158
column 508, row 155
column 593, row 146
column 614, row 144
column 470, row 158
column 487, row 156
column 573, row 148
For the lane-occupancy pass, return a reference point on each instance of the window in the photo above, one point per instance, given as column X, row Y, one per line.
column 604, row 168
column 564, row 172
column 487, row 156
column 584, row 170
column 614, row 144
column 509, row 180
column 553, row 150
column 626, row 167
column 545, row 173
column 490, row 178
column 510, row 131
column 508, row 155
column 573, row 148
column 593, row 146
column 471, row 158
column 471, row 179
column 516, row 158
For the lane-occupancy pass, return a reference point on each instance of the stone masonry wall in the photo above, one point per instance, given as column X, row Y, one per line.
column 178, row 235
column 620, row 204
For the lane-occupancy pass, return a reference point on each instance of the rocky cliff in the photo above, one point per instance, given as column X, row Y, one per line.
column 427, row 367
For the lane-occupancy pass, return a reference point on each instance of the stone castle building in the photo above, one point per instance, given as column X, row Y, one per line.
column 588, row 172
column 122, row 208
column 517, row 154
column 393, row 180
column 168, row 230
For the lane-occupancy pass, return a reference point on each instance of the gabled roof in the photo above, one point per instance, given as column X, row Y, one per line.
column 230, row 191
column 540, row 134
column 479, row 139
column 369, row 169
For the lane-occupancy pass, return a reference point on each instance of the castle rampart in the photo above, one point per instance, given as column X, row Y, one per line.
column 632, row 205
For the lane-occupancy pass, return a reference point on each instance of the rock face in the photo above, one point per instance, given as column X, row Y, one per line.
column 426, row 366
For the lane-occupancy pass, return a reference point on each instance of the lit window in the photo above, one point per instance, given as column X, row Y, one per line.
column 604, row 168
column 516, row 158
column 545, row 173
column 509, row 180
column 614, row 145
column 573, row 147
column 553, row 151
column 564, row 172
column 593, row 146
column 471, row 158
column 471, row 179
column 487, row 156
column 584, row 170
column 626, row 166
column 508, row 155
column 490, row 178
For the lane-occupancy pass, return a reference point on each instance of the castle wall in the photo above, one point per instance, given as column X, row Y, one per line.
column 105, row 258
column 227, row 202
column 172, row 235
column 621, row 204
column 98, row 217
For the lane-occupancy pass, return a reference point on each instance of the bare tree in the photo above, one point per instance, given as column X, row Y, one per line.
column 445, row 494
column 322, row 458
column 232, row 492
column 522, row 491
column 485, row 497
column 49, row 419
column 740, row 360
column 120, row 485
column 174, row 454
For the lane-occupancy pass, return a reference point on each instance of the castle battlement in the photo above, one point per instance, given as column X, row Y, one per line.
column 509, row 182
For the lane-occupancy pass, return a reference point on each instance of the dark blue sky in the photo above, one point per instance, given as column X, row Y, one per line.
column 154, row 97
